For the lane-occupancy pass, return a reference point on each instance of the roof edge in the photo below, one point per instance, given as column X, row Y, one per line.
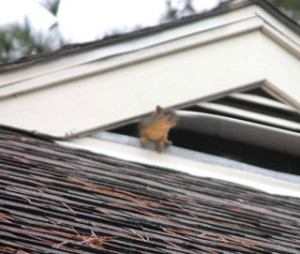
column 193, row 167
column 222, row 8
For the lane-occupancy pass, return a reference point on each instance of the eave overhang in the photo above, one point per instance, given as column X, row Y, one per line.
column 106, row 86
column 194, row 163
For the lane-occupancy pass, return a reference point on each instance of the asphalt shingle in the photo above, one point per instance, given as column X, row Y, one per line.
column 60, row 200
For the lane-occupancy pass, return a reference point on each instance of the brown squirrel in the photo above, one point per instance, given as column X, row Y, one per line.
column 157, row 126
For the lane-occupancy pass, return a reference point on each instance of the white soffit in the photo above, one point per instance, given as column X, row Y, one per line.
column 90, row 90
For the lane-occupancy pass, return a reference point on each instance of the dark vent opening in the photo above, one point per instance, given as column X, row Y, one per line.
column 237, row 151
column 252, row 106
column 129, row 130
column 250, row 154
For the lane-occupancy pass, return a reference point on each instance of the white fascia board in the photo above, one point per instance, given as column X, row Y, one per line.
column 282, row 72
column 87, row 91
column 279, row 29
column 214, row 28
column 99, row 66
column 175, row 39
column 104, row 52
column 100, row 100
column 193, row 167
column 110, row 57
column 290, row 43
column 110, row 97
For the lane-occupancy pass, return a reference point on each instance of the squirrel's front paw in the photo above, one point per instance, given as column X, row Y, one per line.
column 144, row 141
column 168, row 142
column 160, row 146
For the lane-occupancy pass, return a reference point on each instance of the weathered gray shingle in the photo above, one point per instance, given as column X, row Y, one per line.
column 59, row 200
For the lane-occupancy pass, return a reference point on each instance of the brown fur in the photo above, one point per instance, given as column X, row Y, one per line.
column 156, row 128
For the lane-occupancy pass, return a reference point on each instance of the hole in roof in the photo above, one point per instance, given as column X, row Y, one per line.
column 255, row 109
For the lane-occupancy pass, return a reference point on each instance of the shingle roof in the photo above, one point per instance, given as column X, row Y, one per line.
column 117, row 38
column 59, row 200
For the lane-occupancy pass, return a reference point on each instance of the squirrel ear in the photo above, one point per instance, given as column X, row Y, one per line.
column 159, row 109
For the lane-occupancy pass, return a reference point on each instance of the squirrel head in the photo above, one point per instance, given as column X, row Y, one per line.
column 159, row 112
column 172, row 119
column 168, row 115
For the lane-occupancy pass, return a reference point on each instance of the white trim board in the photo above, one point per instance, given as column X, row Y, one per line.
column 78, row 93
column 121, row 59
column 196, row 168
column 112, row 56
column 109, row 51
column 196, row 155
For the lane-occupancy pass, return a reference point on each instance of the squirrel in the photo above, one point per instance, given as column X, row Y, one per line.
column 156, row 127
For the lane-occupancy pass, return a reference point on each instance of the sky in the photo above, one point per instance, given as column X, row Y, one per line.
column 87, row 20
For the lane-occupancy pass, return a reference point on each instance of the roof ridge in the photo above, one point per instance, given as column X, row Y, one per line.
column 115, row 38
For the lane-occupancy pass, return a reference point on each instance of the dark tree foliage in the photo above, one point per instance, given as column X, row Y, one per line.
column 176, row 9
column 18, row 40
column 51, row 6
column 288, row 4
column 290, row 7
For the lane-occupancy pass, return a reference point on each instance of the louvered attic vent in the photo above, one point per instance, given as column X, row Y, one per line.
column 251, row 127
column 255, row 106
